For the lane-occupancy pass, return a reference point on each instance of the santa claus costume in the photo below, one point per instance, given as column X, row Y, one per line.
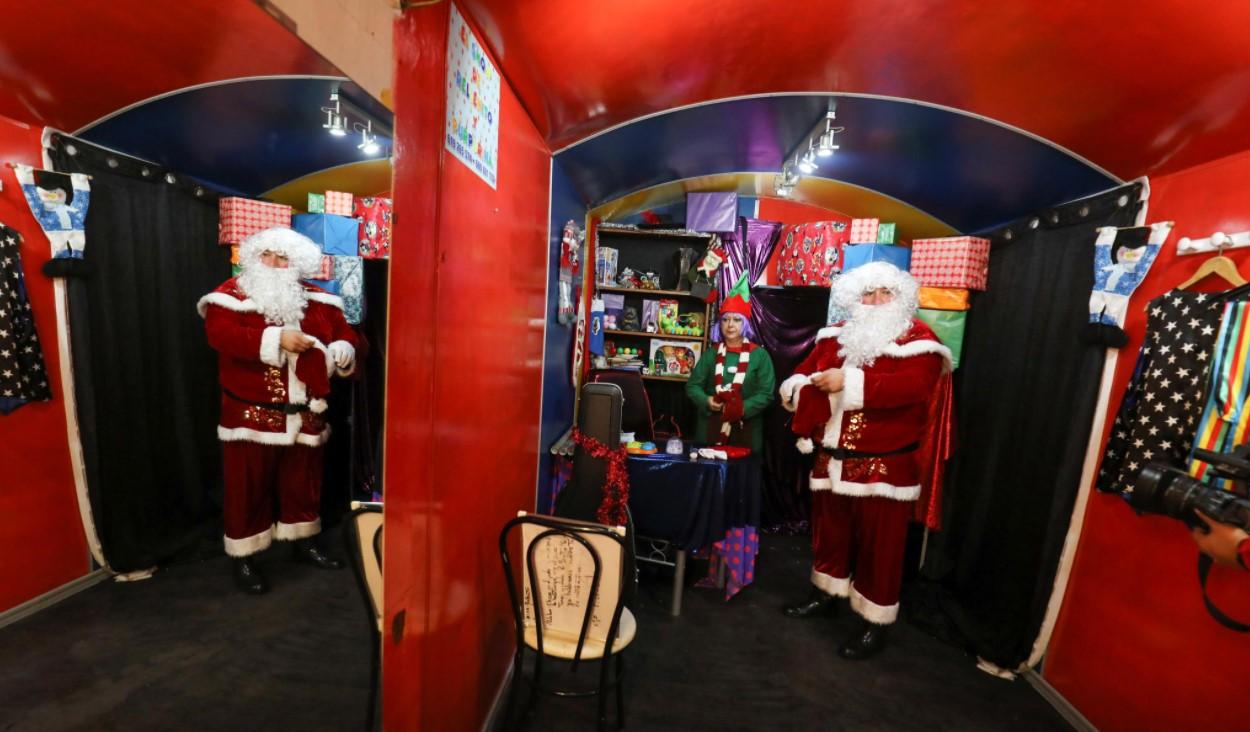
column 272, row 425
column 866, row 475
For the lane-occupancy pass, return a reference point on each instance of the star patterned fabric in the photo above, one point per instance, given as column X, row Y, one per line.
column 1161, row 408
column 23, row 377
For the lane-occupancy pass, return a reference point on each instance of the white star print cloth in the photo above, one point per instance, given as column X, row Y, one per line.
column 23, row 377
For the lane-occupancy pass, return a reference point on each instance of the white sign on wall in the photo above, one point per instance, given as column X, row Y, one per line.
column 472, row 132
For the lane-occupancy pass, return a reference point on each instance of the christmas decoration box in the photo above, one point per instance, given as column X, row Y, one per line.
column 349, row 272
column 864, row 231
column 338, row 203
column 374, row 229
column 857, row 255
column 885, row 233
column 239, row 218
column 333, row 287
column 948, row 326
column 316, row 203
column 712, row 212
column 809, row 255
column 943, row 298
column 673, row 358
column 335, row 235
column 327, row 268
column 953, row 261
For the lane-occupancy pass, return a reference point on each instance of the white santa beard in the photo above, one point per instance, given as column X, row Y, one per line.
column 871, row 329
column 277, row 293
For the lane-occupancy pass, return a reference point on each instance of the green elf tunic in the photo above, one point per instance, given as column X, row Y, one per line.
column 755, row 388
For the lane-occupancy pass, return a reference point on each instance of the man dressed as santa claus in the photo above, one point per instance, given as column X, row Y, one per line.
column 278, row 340
column 861, row 402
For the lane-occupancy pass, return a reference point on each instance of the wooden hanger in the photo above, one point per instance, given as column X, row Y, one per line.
column 1219, row 265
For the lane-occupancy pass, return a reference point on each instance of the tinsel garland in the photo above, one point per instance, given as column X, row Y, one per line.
column 615, row 486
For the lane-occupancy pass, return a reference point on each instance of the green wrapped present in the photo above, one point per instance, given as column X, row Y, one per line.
column 316, row 203
column 949, row 327
column 236, row 270
column 885, row 233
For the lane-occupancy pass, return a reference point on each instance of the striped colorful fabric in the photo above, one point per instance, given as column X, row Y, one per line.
column 1225, row 423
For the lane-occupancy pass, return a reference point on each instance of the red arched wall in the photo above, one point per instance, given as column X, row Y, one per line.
column 42, row 545
column 1134, row 648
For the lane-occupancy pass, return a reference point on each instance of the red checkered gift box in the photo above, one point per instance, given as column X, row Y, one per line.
column 810, row 254
column 953, row 261
column 327, row 268
column 864, row 231
column 339, row 203
column 242, row 217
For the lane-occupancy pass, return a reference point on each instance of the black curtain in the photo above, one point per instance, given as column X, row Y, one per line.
column 144, row 377
column 786, row 320
column 1025, row 395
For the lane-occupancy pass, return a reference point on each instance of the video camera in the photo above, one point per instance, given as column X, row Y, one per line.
column 1165, row 490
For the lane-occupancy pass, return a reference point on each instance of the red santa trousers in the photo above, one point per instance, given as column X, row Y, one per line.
column 258, row 476
column 857, row 550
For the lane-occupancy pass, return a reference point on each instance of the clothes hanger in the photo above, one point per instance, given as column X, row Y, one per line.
column 1219, row 265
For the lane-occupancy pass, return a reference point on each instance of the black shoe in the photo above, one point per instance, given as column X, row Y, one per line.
column 248, row 577
column 307, row 551
column 817, row 604
column 865, row 643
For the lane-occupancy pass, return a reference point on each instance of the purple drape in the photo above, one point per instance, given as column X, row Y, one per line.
column 786, row 320
column 747, row 249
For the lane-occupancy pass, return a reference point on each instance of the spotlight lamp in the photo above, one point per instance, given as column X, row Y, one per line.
column 826, row 146
column 368, row 141
column 808, row 163
column 335, row 123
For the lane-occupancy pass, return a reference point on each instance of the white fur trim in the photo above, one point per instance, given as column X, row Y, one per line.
column 830, row 585
column 916, row 348
column 247, row 434
column 326, row 297
column 828, row 332
column 833, row 428
column 820, row 484
column 805, row 445
column 291, row 532
column 852, row 388
column 271, row 346
column 880, row 490
column 790, row 388
column 228, row 302
column 317, row 406
column 249, row 545
column 871, row 611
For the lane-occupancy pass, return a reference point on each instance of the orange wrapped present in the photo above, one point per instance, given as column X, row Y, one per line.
column 943, row 298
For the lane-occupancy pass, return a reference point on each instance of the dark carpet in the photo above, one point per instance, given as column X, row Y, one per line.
column 742, row 665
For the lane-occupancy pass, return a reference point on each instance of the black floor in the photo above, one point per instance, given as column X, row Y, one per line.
column 184, row 651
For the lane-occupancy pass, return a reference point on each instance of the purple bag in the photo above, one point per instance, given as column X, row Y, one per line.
column 712, row 212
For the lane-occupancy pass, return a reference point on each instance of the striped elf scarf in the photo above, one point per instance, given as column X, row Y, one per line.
column 1224, row 422
column 730, row 394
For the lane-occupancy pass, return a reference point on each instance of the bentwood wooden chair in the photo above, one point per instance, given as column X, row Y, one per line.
column 568, row 605
column 362, row 534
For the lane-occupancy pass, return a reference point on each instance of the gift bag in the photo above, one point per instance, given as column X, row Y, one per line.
column 810, row 254
column 374, row 230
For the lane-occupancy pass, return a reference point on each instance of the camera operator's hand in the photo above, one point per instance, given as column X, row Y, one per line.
column 1220, row 542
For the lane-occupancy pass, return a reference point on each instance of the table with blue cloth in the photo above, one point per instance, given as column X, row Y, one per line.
column 695, row 505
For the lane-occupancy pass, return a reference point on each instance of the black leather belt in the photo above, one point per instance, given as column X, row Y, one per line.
column 284, row 408
column 839, row 453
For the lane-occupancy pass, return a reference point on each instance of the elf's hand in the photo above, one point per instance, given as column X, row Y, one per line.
column 714, row 405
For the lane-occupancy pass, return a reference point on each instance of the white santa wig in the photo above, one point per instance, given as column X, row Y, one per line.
column 302, row 253
column 849, row 288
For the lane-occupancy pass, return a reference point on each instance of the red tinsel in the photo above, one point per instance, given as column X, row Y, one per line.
column 616, row 485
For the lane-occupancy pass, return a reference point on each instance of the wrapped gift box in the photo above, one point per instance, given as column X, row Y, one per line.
column 316, row 203
column 235, row 270
column 331, row 286
column 943, row 298
column 327, row 268
column 239, row 218
column 234, row 254
column 885, row 234
column 712, row 212
column 334, row 234
column 349, row 272
column 948, row 325
column 374, row 228
column 810, row 254
column 857, row 255
column 864, row 231
column 953, row 261
column 605, row 265
column 338, row 203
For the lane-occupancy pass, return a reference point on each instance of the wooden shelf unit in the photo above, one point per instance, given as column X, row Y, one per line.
column 641, row 334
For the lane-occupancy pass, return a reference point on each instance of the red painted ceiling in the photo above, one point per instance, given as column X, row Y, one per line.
column 64, row 65
column 1137, row 88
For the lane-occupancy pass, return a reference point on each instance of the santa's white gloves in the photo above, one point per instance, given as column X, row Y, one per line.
column 343, row 354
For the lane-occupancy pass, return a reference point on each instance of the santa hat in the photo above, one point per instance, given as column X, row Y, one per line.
column 850, row 286
column 739, row 299
column 302, row 253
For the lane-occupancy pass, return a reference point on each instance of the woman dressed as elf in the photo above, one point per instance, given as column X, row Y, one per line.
column 732, row 383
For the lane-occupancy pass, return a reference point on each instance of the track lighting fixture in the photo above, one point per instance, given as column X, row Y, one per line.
column 335, row 123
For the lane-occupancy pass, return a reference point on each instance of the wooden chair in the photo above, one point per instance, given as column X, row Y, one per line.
column 362, row 534
column 568, row 604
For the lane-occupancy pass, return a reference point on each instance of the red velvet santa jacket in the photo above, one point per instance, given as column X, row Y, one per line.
column 881, row 408
column 253, row 369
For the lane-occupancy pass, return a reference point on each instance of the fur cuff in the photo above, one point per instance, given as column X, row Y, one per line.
column 271, row 346
column 871, row 611
column 790, row 389
column 852, row 388
column 302, row 530
column 317, row 406
column 805, row 445
column 836, row 586
column 249, row 545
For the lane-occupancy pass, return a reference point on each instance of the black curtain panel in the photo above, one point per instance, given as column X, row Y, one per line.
column 786, row 320
column 1025, row 395
column 144, row 377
